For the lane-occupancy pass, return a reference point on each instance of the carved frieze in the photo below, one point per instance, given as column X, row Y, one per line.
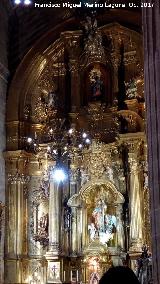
column 130, row 57
column 73, row 66
column 96, row 159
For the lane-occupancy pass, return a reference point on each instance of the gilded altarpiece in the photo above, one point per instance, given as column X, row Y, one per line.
column 72, row 231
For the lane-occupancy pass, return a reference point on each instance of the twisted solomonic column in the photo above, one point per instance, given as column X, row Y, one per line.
column 135, row 201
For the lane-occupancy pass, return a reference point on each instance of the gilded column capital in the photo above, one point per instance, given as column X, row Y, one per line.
column 62, row 69
column 134, row 155
column 130, row 57
column 4, row 72
column 18, row 177
column 73, row 66
column 133, row 165
column 133, row 146
column 115, row 58
column 71, row 41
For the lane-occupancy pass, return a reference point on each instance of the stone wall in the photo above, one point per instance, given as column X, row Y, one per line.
column 5, row 9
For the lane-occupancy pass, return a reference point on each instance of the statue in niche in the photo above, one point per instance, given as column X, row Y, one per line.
column 67, row 214
column 98, row 215
column 96, row 84
column 52, row 100
column 103, row 226
column 109, row 172
column 45, row 184
column 93, row 42
column 83, row 176
column 92, row 230
column 43, row 225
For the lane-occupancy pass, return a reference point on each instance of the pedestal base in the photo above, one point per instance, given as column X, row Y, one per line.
column 54, row 267
column 136, row 246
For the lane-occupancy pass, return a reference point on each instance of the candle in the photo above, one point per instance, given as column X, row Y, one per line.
column 64, row 276
column 77, row 275
column 71, row 275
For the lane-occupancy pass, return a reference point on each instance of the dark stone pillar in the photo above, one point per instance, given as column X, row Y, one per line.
column 5, row 8
column 151, row 30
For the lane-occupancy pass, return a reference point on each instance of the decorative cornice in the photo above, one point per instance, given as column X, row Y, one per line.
column 4, row 72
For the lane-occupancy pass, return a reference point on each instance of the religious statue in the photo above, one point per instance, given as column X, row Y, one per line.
column 84, row 176
column 93, row 42
column 45, row 184
column 98, row 215
column 97, row 84
column 43, row 225
column 110, row 173
column 66, row 214
column 52, row 100
column 92, row 229
column 144, row 266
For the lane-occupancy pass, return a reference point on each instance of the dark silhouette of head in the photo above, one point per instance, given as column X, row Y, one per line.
column 119, row 275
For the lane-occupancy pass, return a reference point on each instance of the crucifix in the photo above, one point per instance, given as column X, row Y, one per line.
column 54, row 268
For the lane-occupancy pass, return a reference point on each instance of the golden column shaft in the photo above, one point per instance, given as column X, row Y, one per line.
column 12, row 228
column 74, row 231
column 120, row 228
column 136, row 224
column 20, row 217
column 16, row 217
column 54, row 218
column 79, row 229
column 84, row 225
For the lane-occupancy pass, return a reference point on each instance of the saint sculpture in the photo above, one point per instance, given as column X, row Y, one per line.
column 104, row 225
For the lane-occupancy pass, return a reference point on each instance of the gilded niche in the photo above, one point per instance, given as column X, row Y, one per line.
column 40, row 210
column 101, row 224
